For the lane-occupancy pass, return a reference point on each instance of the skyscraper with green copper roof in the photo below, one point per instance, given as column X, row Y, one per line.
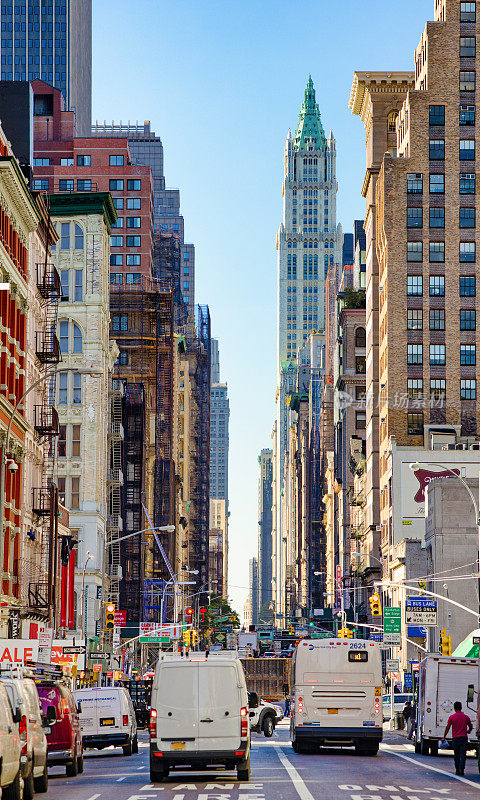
column 309, row 244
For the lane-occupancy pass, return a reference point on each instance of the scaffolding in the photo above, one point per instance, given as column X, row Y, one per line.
column 142, row 325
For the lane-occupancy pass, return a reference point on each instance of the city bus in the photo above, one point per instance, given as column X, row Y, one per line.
column 336, row 695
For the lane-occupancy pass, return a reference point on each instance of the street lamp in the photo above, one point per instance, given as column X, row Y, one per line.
column 173, row 580
column 84, row 600
column 416, row 466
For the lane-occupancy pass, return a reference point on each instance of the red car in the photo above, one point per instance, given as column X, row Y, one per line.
column 64, row 735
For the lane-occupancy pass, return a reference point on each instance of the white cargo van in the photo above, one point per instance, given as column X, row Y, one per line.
column 337, row 695
column 107, row 718
column 199, row 715
column 441, row 681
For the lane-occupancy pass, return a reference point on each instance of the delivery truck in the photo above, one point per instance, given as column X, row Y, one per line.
column 442, row 680
column 269, row 678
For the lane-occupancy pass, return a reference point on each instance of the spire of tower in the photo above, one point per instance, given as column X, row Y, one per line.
column 309, row 129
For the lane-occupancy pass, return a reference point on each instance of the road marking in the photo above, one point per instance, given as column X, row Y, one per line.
column 297, row 781
column 121, row 779
column 393, row 752
column 94, row 797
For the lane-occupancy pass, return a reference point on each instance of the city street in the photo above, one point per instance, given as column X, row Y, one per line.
column 277, row 774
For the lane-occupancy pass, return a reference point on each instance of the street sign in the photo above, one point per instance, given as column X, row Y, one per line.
column 415, row 666
column 392, row 665
column 476, row 640
column 392, row 626
column 97, row 667
column 100, row 655
column 419, row 611
column 78, row 648
column 154, row 640
column 408, row 680
column 375, row 637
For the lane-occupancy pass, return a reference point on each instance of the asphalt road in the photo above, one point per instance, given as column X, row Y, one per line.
column 396, row 773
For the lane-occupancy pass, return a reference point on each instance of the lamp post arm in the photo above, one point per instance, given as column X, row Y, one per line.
column 390, row 585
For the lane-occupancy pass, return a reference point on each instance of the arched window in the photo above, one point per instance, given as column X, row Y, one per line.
column 70, row 337
column 391, row 121
column 360, row 337
column 78, row 237
column 77, row 339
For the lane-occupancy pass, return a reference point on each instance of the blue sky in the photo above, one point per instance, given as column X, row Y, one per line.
column 221, row 83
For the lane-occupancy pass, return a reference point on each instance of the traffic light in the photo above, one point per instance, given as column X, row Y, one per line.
column 291, row 630
column 375, row 605
column 345, row 633
column 445, row 643
column 186, row 637
column 194, row 638
column 109, row 616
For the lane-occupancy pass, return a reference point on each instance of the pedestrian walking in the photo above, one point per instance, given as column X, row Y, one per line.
column 461, row 727
column 412, row 721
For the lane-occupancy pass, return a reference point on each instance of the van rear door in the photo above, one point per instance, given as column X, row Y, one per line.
column 177, row 706
column 219, row 707
column 88, row 715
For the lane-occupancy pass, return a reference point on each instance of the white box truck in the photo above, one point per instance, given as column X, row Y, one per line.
column 441, row 681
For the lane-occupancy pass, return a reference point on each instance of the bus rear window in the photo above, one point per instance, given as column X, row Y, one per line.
column 357, row 655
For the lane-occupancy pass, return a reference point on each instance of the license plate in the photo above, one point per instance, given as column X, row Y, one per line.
column 177, row 746
column 333, row 710
column 107, row 721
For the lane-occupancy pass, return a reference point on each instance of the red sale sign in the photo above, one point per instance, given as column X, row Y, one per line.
column 120, row 619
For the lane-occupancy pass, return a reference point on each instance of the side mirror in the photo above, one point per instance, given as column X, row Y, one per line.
column 251, row 714
column 253, row 700
column 51, row 715
column 79, row 708
column 17, row 716
column 470, row 692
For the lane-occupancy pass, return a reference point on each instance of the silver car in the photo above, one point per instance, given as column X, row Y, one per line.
column 23, row 697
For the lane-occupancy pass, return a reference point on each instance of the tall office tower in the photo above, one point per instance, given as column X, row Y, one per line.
column 215, row 359
column 219, row 421
column 251, row 605
column 265, row 461
column 308, row 244
column 147, row 149
column 52, row 42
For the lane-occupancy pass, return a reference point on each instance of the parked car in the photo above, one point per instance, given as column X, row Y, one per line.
column 107, row 717
column 399, row 701
column 64, row 734
column 199, row 715
column 263, row 716
column 10, row 749
column 23, row 696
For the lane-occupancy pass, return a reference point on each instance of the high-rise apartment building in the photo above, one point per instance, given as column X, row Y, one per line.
column 308, row 244
column 51, row 41
column 147, row 149
column 422, row 370
column 265, row 462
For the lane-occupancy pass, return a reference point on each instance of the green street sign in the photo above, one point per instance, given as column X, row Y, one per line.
column 392, row 620
column 154, row 640
column 318, row 635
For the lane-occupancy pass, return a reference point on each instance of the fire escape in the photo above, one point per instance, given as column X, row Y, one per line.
column 41, row 587
column 114, row 491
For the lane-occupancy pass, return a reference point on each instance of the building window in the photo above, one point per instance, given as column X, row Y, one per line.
column 134, row 185
column 84, row 161
column 123, row 358
column 414, row 218
column 84, row 185
column 437, row 354
column 438, row 388
column 437, row 251
column 360, row 420
column 61, row 490
column 467, row 251
column 467, row 319
column 66, row 185
column 133, row 241
column 63, row 336
column 415, row 183
column 116, row 260
column 63, row 388
column 65, row 281
column 467, row 12
column 414, row 387
column 78, row 237
column 437, row 285
column 78, row 288
column 468, row 389
column 467, row 81
column 414, row 251
column 65, row 236
column 437, row 183
column 133, row 277
column 360, row 337
column 118, row 203
column 414, row 319
column 66, row 162
column 415, row 424
column 468, row 355
column 414, row 285
column 134, row 203
column 467, row 47
column 467, row 217
column 116, row 278
column 75, row 494
column 467, row 183
column 77, row 339
column 437, row 149
column 116, row 241
column 116, row 161
column 467, row 115
column 118, row 223
column 116, row 185
column 414, row 354
column 467, row 149
column 41, row 162
column 467, row 285
column 62, row 442
column 76, row 437
column 360, row 365
column 133, row 260
column 120, row 322
column 437, row 115
column 437, row 319
column 134, row 222
column 437, row 217
column 40, row 185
